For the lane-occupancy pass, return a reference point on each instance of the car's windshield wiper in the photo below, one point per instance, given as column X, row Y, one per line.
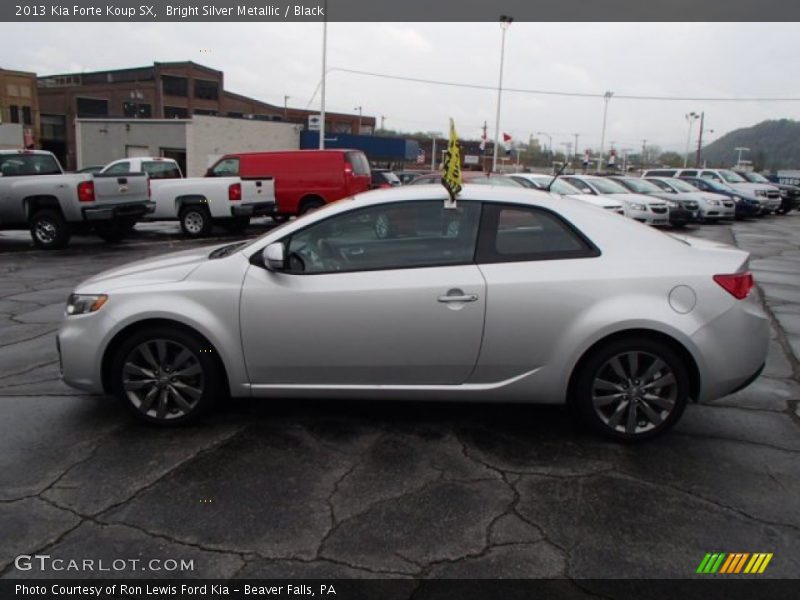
column 226, row 250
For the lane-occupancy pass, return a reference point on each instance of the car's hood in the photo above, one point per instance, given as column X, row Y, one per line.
column 712, row 196
column 639, row 198
column 599, row 200
column 166, row 268
column 752, row 187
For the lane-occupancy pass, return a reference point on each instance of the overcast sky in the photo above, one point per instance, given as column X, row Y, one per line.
column 267, row 61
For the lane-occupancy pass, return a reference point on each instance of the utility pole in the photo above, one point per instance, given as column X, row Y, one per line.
column 324, row 73
column 606, row 99
column 359, row 109
column 505, row 22
column 286, row 108
column 383, row 121
column 739, row 160
column 700, row 141
column 575, row 155
column 690, row 117
column 644, row 159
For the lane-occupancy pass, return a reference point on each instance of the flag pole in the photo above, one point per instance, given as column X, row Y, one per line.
column 505, row 21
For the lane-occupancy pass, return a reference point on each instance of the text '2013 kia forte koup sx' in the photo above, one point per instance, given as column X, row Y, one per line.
column 512, row 296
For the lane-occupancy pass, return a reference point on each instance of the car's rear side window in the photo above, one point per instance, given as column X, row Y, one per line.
column 228, row 167
column 161, row 170
column 511, row 233
column 359, row 162
column 12, row 165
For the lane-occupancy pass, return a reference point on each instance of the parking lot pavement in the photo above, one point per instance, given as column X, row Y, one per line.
column 360, row 489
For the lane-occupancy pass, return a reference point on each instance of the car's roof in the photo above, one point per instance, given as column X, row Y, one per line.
column 468, row 192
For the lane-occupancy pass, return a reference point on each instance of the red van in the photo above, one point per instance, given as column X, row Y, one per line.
column 304, row 179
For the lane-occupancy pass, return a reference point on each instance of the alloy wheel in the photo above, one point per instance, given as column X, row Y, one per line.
column 194, row 222
column 163, row 379
column 634, row 392
column 45, row 231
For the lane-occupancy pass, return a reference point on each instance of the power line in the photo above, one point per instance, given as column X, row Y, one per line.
column 476, row 86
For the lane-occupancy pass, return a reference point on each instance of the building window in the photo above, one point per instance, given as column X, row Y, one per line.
column 136, row 110
column 91, row 107
column 54, row 127
column 24, row 91
column 12, row 90
column 27, row 118
column 202, row 111
column 175, row 112
column 174, row 86
column 206, row 90
column 236, row 115
column 13, row 111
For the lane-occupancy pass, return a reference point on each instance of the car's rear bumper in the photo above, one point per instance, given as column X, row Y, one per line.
column 118, row 211
column 253, row 209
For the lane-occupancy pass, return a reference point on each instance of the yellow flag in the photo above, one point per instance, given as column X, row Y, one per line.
column 451, row 170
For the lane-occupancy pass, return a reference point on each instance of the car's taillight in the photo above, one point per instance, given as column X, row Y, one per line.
column 235, row 191
column 86, row 191
column 737, row 285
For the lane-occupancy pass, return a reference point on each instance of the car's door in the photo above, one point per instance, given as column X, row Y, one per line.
column 538, row 270
column 382, row 294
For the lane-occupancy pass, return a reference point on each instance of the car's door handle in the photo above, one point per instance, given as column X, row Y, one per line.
column 458, row 298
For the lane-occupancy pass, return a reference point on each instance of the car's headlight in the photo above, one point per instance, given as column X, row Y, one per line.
column 636, row 206
column 80, row 304
column 713, row 202
column 736, row 199
column 761, row 192
column 672, row 204
column 784, row 193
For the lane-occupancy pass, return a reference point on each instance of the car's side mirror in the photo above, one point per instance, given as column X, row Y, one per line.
column 274, row 256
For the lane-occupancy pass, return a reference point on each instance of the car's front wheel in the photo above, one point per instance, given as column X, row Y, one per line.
column 631, row 389
column 166, row 376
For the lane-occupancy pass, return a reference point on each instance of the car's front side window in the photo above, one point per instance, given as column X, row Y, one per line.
column 387, row 236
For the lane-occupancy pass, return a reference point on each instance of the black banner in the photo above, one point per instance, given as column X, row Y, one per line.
column 149, row 11
column 711, row 588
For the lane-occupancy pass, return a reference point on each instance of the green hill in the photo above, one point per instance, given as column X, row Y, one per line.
column 773, row 145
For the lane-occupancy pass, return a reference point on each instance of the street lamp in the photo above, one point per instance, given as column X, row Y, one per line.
column 358, row 108
column 691, row 118
column 549, row 142
column 606, row 99
column 505, row 22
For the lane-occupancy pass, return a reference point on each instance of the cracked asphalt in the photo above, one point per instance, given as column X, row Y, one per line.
column 308, row 489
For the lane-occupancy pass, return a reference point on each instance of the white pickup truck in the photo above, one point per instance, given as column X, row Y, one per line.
column 36, row 194
column 199, row 202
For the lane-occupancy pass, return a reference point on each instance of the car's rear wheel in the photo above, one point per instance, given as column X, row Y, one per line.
column 195, row 221
column 49, row 230
column 279, row 218
column 166, row 376
column 631, row 389
column 310, row 204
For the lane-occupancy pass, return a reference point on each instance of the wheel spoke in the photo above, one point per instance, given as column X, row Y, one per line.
column 180, row 400
column 132, row 385
column 194, row 392
column 147, row 354
column 182, row 358
column 132, row 369
column 633, row 363
column 630, row 426
column 602, row 384
column 667, row 379
column 601, row 401
column 654, row 368
column 161, row 412
column 654, row 417
column 191, row 370
column 161, row 351
column 659, row 401
column 618, row 369
column 148, row 400
column 614, row 420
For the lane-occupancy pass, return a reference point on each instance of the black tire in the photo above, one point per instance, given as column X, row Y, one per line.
column 608, row 413
column 195, row 221
column 310, row 204
column 49, row 230
column 279, row 218
column 236, row 224
column 199, row 390
column 128, row 225
column 112, row 231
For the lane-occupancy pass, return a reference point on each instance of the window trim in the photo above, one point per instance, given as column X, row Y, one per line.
column 487, row 254
column 257, row 259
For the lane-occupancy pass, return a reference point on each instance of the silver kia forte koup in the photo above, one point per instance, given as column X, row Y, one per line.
column 512, row 296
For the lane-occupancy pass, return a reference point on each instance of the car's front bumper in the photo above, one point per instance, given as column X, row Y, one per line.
column 80, row 342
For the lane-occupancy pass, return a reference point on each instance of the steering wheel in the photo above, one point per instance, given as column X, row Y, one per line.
column 329, row 256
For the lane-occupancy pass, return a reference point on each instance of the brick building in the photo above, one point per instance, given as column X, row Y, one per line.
column 19, row 103
column 172, row 90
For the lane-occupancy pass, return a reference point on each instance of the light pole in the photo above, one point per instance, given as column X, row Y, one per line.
column 549, row 143
column 739, row 160
column 286, row 108
column 505, row 22
column 644, row 159
column 324, row 73
column 606, row 99
column 434, row 135
column 359, row 109
column 575, row 155
column 691, row 117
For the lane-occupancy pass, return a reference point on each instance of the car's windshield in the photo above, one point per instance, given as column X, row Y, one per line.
column 605, row 186
column 755, row 177
column 682, row 186
column 731, row 177
column 641, row 186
